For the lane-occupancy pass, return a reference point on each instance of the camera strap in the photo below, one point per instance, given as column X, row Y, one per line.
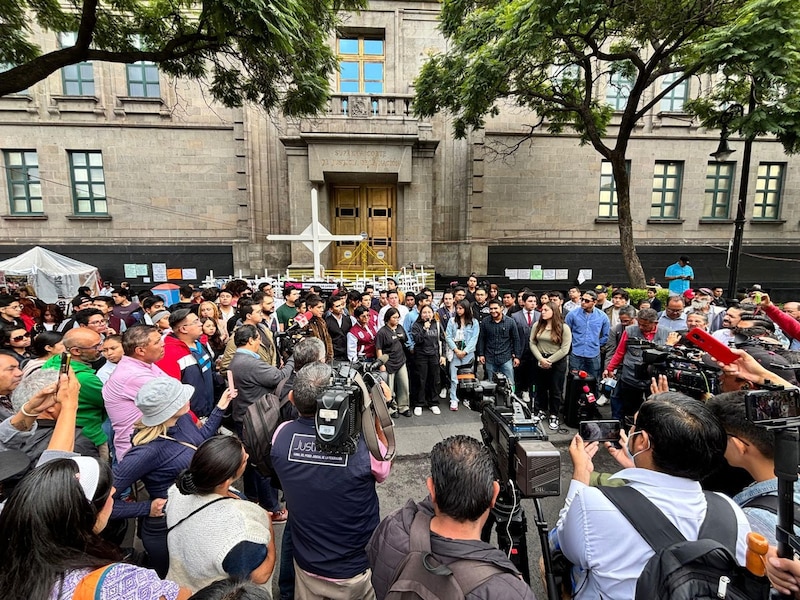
column 375, row 406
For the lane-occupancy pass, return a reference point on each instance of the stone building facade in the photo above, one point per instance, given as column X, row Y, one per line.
column 187, row 181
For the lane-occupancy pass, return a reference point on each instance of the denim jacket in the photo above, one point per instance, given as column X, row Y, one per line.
column 470, row 335
column 763, row 521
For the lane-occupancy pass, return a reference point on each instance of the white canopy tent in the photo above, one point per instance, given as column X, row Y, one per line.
column 52, row 275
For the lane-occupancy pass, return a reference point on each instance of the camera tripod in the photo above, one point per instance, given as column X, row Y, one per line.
column 511, row 526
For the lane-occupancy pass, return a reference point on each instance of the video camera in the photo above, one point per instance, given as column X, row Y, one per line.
column 684, row 369
column 285, row 341
column 340, row 407
column 518, row 445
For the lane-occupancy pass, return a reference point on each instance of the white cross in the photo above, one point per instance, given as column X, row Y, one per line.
column 316, row 237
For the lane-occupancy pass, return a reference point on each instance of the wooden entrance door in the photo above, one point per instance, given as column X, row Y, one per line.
column 366, row 209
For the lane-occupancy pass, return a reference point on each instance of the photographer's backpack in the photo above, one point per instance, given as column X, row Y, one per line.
column 421, row 577
column 258, row 426
column 688, row 570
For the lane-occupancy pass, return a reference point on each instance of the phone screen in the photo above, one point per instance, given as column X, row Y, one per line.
column 772, row 406
column 599, row 431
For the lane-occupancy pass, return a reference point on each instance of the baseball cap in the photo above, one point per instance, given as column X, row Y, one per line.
column 600, row 289
column 78, row 300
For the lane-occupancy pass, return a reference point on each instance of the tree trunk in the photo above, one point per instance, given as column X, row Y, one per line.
column 622, row 182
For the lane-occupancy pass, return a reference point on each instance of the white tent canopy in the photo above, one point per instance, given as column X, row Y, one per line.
column 52, row 275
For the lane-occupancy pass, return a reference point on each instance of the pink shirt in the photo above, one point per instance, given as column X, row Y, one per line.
column 119, row 394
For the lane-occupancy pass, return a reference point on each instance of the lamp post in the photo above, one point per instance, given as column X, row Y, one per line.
column 722, row 153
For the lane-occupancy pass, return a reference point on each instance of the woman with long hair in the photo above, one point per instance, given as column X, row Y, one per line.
column 45, row 345
column 428, row 356
column 210, row 310
column 51, row 546
column 461, row 337
column 232, row 539
column 51, row 318
column 212, row 338
column 550, row 342
column 164, row 443
column 16, row 342
column 391, row 341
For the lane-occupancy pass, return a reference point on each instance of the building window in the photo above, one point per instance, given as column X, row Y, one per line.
column 677, row 96
column 361, row 64
column 719, row 183
column 769, row 186
column 24, row 187
column 88, row 183
column 143, row 80
column 618, row 91
column 78, row 79
column 607, row 207
column 667, row 178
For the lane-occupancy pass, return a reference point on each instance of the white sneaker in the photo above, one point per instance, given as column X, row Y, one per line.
column 417, row 411
column 453, row 404
column 554, row 423
column 526, row 397
column 602, row 400
column 443, row 393
column 435, row 410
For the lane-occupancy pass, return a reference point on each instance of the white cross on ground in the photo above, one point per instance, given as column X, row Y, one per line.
column 315, row 237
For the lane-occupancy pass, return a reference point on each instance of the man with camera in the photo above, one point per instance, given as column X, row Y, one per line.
column 674, row 443
column 332, row 498
column 632, row 383
column 462, row 489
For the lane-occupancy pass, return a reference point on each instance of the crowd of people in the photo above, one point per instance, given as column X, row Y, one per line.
column 128, row 413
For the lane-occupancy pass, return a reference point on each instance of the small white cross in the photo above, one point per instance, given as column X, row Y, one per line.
column 316, row 237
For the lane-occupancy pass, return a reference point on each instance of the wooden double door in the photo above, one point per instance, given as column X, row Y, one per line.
column 368, row 209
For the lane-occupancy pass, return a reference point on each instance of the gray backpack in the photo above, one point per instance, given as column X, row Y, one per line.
column 421, row 577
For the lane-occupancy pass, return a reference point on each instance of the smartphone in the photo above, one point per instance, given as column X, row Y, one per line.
column 772, row 407
column 704, row 341
column 599, row 431
column 66, row 358
column 757, row 297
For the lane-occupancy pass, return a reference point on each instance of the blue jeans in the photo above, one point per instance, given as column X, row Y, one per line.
column 506, row 368
column 286, row 570
column 584, row 363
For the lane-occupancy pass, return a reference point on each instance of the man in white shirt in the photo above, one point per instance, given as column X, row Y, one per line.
column 674, row 443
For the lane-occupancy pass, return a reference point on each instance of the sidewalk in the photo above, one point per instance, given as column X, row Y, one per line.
column 415, row 436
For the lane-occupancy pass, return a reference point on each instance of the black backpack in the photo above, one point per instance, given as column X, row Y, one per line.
column 258, row 426
column 421, row 577
column 688, row 570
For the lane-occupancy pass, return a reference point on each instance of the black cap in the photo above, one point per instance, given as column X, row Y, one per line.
column 684, row 258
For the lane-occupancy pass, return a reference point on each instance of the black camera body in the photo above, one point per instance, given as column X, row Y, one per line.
column 338, row 419
column 285, row 341
column 684, row 372
column 520, row 450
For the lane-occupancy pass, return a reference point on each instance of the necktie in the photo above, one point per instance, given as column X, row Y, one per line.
column 529, row 318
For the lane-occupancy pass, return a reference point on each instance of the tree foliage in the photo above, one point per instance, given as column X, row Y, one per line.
column 554, row 56
column 757, row 54
column 274, row 53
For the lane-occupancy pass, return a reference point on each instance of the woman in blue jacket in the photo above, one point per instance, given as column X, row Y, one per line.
column 461, row 337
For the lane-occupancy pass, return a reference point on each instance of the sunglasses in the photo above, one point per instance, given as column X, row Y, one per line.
column 19, row 338
column 587, row 299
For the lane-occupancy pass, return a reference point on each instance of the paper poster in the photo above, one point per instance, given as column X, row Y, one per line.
column 562, row 273
column 174, row 274
column 536, row 274
column 584, row 275
column 549, row 274
column 141, row 270
column 159, row 272
column 130, row 270
column 145, row 280
column 189, row 273
column 511, row 273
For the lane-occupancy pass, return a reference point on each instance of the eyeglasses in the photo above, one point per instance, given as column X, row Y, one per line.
column 98, row 346
column 674, row 310
column 587, row 299
column 629, row 422
column 738, row 438
column 101, row 322
column 19, row 338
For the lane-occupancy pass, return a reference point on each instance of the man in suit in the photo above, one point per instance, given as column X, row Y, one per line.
column 525, row 320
